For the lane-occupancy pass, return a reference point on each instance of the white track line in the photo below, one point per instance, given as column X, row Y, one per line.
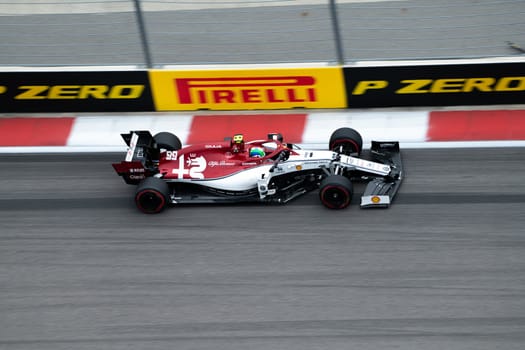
column 104, row 131
column 388, row 125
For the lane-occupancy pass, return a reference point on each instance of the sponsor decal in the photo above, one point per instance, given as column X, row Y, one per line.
column 84, row 91
column 137, row 170
column 248, row 89
column 71, row 92
column 435, row 85
column 140, row 152
column 171, row 155
column 132, row 146
column 192, row 167
column 452, row 85
column 214, row 163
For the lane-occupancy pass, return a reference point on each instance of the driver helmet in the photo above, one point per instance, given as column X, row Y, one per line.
column 237, row 143
column 238, row 138
column 257, row 152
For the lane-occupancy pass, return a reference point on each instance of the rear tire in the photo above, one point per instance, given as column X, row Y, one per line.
column 346, row 141
column 335, row 192
column 167, row 141
column 152, row 195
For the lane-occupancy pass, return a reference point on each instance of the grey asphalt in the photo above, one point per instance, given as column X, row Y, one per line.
column 443, row 268
column 416, row 29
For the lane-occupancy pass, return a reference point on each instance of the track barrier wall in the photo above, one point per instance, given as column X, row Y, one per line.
column 91, row 108
column 76, row 91
column 245, row 89
column 435, row 85
column 420, row 85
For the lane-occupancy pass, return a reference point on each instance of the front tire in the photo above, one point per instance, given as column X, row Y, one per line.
column 346, row 141
column 335, row 192
column 152, row 195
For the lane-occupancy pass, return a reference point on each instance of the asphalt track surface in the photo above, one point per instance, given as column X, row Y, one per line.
column 81, row 268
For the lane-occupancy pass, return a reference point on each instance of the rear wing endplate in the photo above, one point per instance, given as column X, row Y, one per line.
column 141, row 157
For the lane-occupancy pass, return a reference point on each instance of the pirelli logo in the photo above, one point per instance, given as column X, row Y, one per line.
column 266, row 89
column 246, row 90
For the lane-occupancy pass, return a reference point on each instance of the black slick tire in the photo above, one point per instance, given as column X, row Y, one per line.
column 346, row 141
column 152, row 195
column 335, row 192
column 167, row 141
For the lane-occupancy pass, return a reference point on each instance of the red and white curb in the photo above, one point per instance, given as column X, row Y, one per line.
column 100, row 132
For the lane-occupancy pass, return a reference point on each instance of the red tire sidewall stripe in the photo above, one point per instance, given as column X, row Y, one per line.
column 347, row 201
column 345, row 140
column 157, row 193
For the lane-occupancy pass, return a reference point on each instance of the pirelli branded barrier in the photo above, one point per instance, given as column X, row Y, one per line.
column 435, row 85
column 112, row 91
column 170, row 90
column 263, row 88
column 242, row 89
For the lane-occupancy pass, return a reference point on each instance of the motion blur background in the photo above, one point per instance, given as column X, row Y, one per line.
column 153, row 33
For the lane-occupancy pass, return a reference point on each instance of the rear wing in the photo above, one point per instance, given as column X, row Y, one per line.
column 141, row 159
column 380, row 191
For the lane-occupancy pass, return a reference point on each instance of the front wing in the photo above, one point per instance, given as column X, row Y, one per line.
column 380, row 191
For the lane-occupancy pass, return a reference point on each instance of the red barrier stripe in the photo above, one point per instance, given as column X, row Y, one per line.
column 254, row 126
column 476, row 125
column 35, row 131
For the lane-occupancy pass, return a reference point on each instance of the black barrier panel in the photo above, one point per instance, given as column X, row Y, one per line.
column 112, row 91
column 435, row 85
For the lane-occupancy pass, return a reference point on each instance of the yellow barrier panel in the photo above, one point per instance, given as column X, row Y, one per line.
column 241, row 89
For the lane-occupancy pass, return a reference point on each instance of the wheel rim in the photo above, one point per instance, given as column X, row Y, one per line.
column 150, row 201
column 335, row 197
column 346, row 147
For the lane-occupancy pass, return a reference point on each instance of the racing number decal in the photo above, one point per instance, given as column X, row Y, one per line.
column 171, row 155
column 193, row 167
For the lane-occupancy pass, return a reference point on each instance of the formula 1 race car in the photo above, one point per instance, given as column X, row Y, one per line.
column 267, row 170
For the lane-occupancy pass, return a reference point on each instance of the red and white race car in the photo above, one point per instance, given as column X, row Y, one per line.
column 266, row 170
